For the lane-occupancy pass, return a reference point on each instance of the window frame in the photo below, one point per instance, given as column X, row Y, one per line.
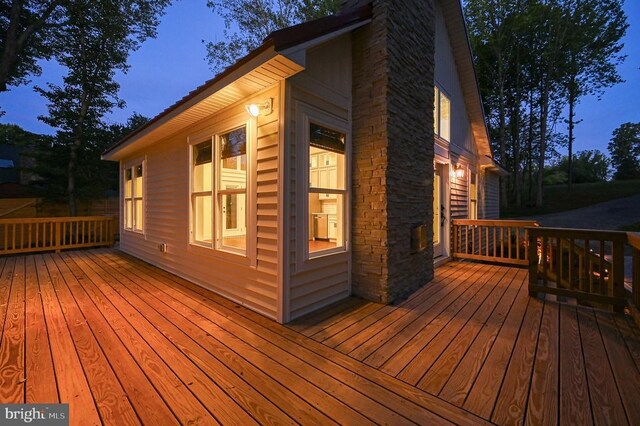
column 308, row 115
column 473, row 195
column 131, row 166
column 212, row 135
column 437, row 108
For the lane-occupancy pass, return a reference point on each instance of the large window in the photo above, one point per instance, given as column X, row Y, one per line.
column 327, row 189
column 442, row 115
column 219, row 193
column 134, row 198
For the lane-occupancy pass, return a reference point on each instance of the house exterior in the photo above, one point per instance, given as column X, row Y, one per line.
column 319, row 165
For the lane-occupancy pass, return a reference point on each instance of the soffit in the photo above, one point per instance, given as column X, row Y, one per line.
column 262, row 72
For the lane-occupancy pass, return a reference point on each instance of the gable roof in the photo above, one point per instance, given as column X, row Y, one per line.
column 269, row 63
column 259, row 69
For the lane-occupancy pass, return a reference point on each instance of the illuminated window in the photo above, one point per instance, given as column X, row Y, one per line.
column 327, row 189
column 231, row 197
column 134, row 198
column 442, row 115
column 201, row 193
column 219, row 184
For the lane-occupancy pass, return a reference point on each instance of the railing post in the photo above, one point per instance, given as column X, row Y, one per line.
column 635, row 283
column 532, row 251
column 617, row 262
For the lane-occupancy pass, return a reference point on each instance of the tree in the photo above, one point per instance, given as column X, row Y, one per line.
column 28, row 29
column 96, row 178
column 592, row 54
column 588, row 166
column 248, row 22
column 95, row 43
column 625, row 151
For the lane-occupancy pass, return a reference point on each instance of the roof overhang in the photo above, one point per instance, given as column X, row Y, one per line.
column 281, row 56
column 489, row 164
column 257, row 73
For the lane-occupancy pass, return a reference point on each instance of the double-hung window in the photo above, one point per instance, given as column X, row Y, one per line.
column 327, row 189
column 442, row 115
column 219, row 191
column 134, row 198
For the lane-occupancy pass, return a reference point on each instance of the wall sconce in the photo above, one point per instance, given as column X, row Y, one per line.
column 459, row 172
column 264, row 108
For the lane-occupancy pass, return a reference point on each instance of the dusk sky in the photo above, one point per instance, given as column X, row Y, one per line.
column 168, row 67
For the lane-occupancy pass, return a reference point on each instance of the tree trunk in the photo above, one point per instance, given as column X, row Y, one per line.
column 544, row 113
column 572, row 104
column 78, row 140
column 504, row 201
column 530, row 150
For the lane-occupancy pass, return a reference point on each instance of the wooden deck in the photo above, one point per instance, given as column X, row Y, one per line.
column 474, row 338
column 126, row 343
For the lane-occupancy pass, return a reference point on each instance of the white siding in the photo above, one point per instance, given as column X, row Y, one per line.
column 446, row 76
column 490, row 199
column 326, row 85
column 167, row 215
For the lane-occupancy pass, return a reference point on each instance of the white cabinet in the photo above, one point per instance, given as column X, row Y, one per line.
column 333, row 226
column 323, row 173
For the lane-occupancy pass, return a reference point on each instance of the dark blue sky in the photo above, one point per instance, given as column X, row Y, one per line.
column 168, row 67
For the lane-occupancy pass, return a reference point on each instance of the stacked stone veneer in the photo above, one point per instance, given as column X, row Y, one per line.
column 393, row 79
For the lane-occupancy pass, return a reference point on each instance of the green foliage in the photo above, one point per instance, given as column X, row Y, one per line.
column 533, row 58
column 248, row 22
column 95, row 178
column 625, row 151
column 28, row 32
column 588, row 166
column 95, row 42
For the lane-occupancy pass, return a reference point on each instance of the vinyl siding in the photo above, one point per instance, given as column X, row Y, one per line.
column 167, row 206
column 326, row 85
column 491, row 197
column 447, row 78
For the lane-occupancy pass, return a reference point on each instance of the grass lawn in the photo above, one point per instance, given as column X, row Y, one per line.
column 634, row 227
column 557, row 199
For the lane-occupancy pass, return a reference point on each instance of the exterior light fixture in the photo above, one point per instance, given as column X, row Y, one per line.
column 264, row 108
column 459, row 172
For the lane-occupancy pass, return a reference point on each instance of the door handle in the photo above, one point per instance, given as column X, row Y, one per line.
column 443, row 217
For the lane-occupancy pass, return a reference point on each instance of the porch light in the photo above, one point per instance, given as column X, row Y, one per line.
column 459, row 172
column 263, row 108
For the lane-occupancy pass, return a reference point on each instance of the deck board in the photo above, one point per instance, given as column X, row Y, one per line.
column 474, row 337
column 129, row 343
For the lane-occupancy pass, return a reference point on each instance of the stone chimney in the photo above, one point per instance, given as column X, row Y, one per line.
column 393, row 146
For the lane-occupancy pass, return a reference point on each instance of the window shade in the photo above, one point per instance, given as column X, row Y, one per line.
column 327, row 139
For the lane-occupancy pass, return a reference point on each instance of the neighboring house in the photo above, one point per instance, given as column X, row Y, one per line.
column 309, row 170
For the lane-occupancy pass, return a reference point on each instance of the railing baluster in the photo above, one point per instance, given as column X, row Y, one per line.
column 546, row 257
column 572, row 247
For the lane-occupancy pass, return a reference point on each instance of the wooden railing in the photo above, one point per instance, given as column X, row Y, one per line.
column 55, row 233
column 586, row 265
column 500, row 241
column 633, row 240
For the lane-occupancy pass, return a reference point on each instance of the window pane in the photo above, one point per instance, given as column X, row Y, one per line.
column 202, row 218
column 202, row 167
column 234, row 228
column 326, row 223
column 128, row 214
column 138, row 182
column 233, row 159
column 445, row 117
column 138, row 215
column 436, row 208
column 435, row 110
column 326, row 159
column 128, row 184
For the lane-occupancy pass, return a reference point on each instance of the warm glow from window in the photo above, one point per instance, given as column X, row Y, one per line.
column 134, row 198
column 327, row 189
column 442, row 115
